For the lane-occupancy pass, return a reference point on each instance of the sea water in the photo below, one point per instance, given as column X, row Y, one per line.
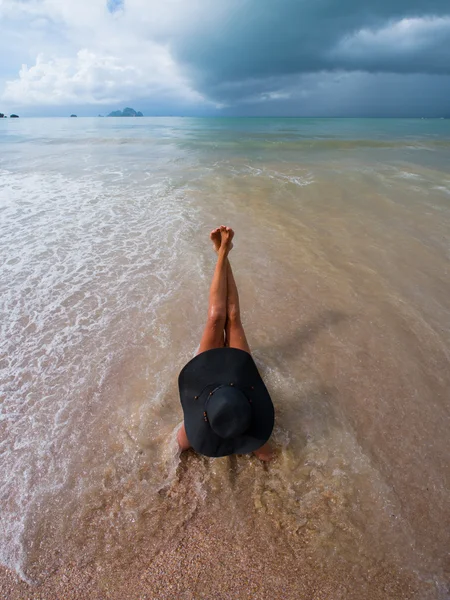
column 342, row 261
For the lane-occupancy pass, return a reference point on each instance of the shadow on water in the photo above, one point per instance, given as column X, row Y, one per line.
column 302, row 405
column 291, row 345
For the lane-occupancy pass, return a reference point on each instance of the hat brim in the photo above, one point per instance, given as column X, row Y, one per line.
column 209, row 370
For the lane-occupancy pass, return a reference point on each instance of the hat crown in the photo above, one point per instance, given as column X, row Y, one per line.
column 229, row 412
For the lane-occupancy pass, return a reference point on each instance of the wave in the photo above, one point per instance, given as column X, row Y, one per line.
column 86, row 269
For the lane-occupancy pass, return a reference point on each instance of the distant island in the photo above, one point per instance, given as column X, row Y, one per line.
column 14, row 117
column 73, row 115
column 126, row 112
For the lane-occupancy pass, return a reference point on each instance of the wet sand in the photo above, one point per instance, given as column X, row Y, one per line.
column 209, row 561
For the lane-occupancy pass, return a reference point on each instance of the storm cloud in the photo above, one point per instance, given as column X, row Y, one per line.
column 230, row 56
column 267, row 46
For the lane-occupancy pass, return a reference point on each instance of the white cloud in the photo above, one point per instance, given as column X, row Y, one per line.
column 406, row 36
column 279, row 95
column 93, row 78
column 91, row 56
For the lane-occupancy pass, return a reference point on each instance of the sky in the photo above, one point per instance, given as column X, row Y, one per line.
column 351, row 58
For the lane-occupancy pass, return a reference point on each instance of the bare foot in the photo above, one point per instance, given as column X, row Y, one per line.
column 216, row 237
column 226, row 237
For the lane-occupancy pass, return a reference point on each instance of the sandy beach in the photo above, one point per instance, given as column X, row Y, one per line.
column 209, row 562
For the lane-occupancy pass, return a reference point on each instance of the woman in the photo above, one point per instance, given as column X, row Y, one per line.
column 227, row 408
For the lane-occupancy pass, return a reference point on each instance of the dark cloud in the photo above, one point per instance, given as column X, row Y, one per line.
column 354, row 94
column 262, row 47
column 261, row 57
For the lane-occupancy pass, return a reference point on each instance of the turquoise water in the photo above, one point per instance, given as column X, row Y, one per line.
column 342, row 261
column 231, row 130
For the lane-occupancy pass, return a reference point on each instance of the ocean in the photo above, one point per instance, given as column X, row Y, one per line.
column 341, row 256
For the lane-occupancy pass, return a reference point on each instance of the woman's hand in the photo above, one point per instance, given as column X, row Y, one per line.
column 182, row 440
column 264, row 453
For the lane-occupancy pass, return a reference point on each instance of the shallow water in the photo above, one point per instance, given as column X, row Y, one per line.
column 342, row 261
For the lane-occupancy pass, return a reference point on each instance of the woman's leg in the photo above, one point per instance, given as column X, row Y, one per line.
column 236, row 339
column 213, row 334
column 235, row 334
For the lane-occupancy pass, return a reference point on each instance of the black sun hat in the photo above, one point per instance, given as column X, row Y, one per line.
column 227, row 408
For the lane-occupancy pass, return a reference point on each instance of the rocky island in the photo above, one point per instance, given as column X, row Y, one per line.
column 126, row 112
